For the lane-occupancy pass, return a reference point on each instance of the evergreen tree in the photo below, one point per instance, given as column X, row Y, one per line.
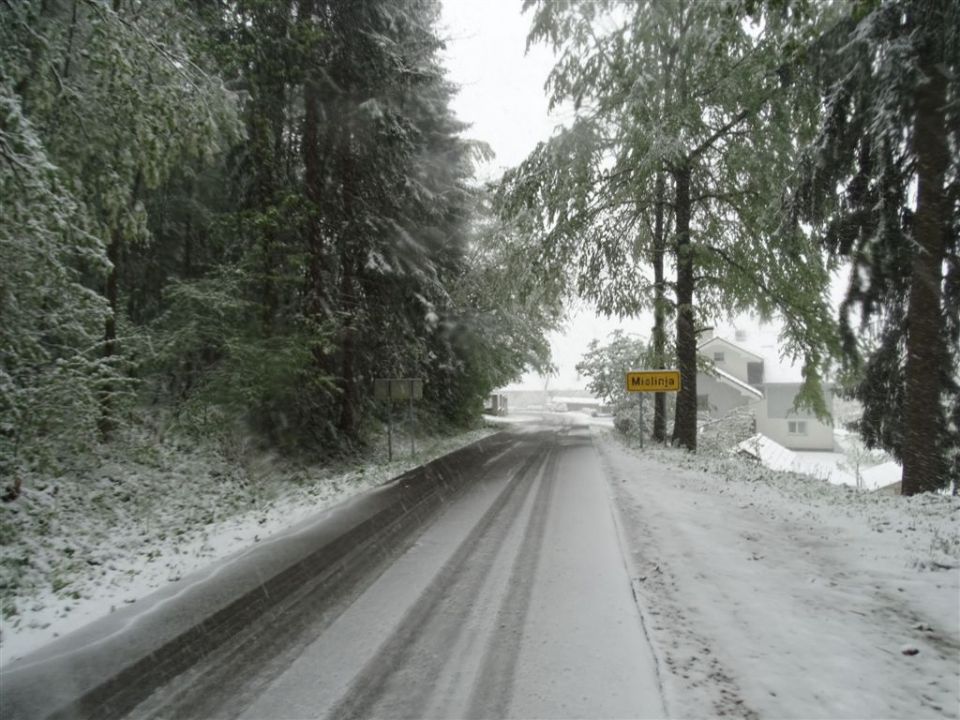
column 99, row 99
column 889, row 73
column 256, row 255
column 50, row 333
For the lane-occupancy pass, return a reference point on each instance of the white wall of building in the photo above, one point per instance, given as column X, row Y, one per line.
column 721, row 397
column 775, row 416
column 797, row 430
column 734, row 359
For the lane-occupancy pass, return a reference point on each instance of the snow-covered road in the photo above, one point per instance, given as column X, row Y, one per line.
column 561, row 574
column 515, row 602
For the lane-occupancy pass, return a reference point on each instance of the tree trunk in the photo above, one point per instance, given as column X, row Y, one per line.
column 313, row 187
column 187, row 267
column 262, row 197
column 348, row 383
column 685, row 422
column 924, row 465
column 659, row 310
column 348, row 301
column 106, row 422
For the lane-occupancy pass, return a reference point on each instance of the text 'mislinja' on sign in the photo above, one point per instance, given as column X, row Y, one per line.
column 653, row 381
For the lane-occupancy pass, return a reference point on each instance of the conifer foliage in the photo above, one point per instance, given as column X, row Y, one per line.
column 889, row 139
column 241, row 212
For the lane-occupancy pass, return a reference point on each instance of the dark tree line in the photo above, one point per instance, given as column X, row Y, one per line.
column 242, row 211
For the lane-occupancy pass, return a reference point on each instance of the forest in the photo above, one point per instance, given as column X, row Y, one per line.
column 238, row 213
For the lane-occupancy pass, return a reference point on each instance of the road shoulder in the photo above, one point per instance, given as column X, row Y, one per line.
column 767, row 600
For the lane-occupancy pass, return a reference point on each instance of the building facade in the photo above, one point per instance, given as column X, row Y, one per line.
column 755, row 376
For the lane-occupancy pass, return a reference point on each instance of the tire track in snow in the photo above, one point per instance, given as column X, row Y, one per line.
column 439, row 637
column 493, row 688
column 228, row 681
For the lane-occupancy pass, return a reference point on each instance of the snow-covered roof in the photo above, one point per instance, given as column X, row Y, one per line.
column 822, row 465
column 834, row 467
column 879, row 476
column 726, row 377
column 769, row 452
column 570, row 400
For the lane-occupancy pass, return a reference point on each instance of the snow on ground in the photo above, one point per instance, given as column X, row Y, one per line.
column 514, row 418
column 777, row 595
column 75, row 548
column 550, row 417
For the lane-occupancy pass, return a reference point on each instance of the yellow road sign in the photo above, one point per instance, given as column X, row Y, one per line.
column 653, row 381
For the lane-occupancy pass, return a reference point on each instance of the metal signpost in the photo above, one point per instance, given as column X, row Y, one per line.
column 644, row 381
column 391, row 389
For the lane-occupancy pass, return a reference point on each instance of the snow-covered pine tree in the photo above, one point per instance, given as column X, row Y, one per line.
column 882, row 184
column 117, row 98
column 51, row 326
column 350, row 229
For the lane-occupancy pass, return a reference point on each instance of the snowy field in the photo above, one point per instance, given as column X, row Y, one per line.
column 75, row 548
column 771, row 594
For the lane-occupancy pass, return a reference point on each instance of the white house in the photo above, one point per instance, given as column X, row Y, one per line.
column 749, row 372
column 736, row 378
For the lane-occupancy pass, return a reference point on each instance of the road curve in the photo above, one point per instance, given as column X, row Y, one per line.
column 513, row 602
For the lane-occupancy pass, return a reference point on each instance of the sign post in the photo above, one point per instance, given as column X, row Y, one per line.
column 392, row 389
column 644, row 381
column 413, row 445
column 641, row 421
column 390, row 432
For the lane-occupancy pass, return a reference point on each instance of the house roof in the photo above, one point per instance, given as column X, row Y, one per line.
column 726, row 377
column 883, row 475
column 736, row 347
column 764, row 344
column 570, row 400
column 769, row 452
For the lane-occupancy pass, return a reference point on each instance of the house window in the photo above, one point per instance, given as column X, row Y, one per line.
column 718, row 357
column 755, row 373
column 703, row 402
column 797, row 427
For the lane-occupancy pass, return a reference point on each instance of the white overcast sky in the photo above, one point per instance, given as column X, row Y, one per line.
column 502, row 97
column 501, row 86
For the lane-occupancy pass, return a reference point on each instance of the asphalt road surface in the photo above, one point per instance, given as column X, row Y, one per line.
column 514, row 601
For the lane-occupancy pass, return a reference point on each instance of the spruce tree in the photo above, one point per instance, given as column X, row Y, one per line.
column 889, row 74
